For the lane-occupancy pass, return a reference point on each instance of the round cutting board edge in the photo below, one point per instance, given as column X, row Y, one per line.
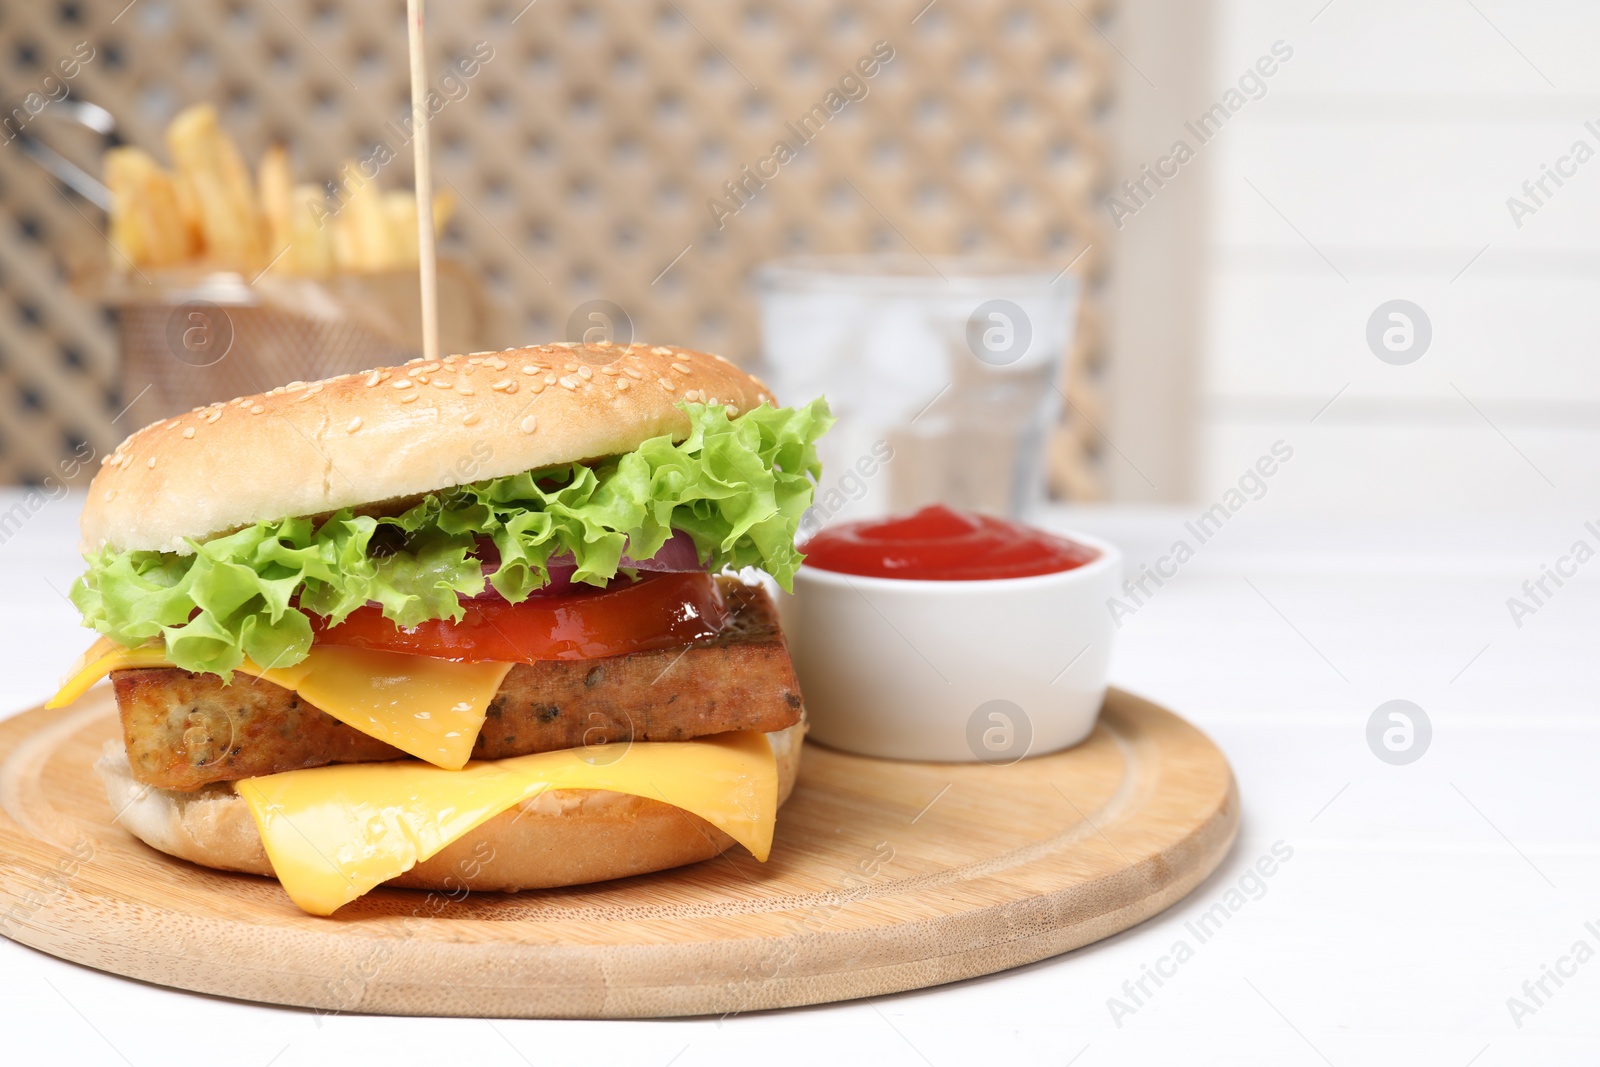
column 209, row 932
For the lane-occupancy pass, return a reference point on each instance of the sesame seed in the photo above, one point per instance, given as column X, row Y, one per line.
column 403, row 383
column 422, row 379
column 537, row 386
column 503, row 385
column 569, row 382
column 550, row 379
column 471, row 419
column 633, row 372
column 496, row 362
column 406, row 398
column 430, row 367
column 585, row 373
column 213, row 415
column 680, row 368
column 571, row 366
column 109, row 493
column 530, row 424
column 354, row 425
column 188, row 433
column 373, row 379
column 529, row 368
column 441, row 383
column 464, row 389
column 413, row 372
column 475, row 360
column 152, row 462
column 662, row 350
column 622, row 384
column 664, row 384
column 608, row 369
column 257, row 409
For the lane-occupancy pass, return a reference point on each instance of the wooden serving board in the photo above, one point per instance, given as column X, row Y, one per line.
column 885, row 876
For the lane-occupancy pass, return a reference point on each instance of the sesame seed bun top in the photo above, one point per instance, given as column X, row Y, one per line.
column 395, row 432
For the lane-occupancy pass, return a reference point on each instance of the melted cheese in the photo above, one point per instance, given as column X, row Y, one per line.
column 428, row 708
column 334, row 833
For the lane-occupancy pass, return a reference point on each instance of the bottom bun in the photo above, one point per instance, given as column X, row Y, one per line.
column 561, row 837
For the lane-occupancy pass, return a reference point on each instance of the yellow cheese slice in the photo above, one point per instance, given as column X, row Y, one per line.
column 334, row 833
column 428, row 708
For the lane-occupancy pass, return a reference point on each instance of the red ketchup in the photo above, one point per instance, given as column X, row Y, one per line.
column 942, row 545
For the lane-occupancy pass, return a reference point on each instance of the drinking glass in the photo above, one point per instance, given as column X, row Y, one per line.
column 943, row 374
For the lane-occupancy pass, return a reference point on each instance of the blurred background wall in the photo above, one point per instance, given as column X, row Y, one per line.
column 1342, row 156
column 583, row 154
column 1378, row 165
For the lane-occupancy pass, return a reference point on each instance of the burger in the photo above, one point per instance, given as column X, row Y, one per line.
column 494, row 622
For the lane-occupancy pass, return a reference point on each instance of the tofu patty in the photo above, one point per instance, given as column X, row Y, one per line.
column 184, row 731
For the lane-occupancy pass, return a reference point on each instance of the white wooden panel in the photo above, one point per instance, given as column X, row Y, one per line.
column 1391, row 142
column 1424, row 47
column 1389, row 184
column 1406, row 469
column 1506, row 343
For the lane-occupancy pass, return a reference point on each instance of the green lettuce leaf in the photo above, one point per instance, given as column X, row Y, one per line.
column 737, row 486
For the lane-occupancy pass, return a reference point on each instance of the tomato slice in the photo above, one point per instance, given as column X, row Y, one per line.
column 656, row 611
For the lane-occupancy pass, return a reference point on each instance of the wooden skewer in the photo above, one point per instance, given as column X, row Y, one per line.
column 427, row 261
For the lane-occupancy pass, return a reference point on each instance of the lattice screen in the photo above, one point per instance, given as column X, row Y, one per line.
column 584, row 152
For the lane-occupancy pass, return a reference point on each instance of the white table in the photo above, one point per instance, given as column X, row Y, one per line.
column 1418, row 899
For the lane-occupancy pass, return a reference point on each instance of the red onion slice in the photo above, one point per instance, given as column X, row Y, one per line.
column 677, row 555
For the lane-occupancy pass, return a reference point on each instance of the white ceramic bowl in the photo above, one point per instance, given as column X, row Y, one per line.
column 954, row 671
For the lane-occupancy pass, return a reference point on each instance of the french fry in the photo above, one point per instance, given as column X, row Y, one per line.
column 189, row 209
column 444, row 207
column 208, row 209
column 275, row 183
column 210, row 162
column 365, row 240
column 311, row 234
column 147, row 225
column 402, row 210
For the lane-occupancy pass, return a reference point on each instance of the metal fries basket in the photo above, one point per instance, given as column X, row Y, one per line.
column 192, row 338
